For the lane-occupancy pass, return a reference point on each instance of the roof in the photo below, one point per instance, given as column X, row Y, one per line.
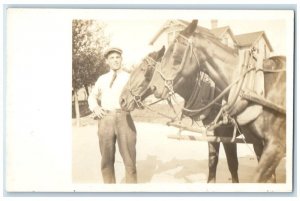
column 220, row 31
column 199, row 28
column 248, row 39
column 180, row 22
column 243, row 40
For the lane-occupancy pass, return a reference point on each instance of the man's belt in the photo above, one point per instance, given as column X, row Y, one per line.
column 110, row 112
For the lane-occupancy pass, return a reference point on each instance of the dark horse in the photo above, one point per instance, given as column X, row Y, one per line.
column 192, row 52
column 137, row 89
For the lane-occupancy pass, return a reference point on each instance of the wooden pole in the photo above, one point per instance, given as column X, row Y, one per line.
column 201, row 130
column 203, row 135
column 207, row 138
column 77, row 111
column 250, row 96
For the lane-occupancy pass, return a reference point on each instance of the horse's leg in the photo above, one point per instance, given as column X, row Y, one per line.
column 258, row 149
column 213, row 158
column 232, row 160
column 230, row 151
column 274, row 147
column 270, row 159
column 258, row 146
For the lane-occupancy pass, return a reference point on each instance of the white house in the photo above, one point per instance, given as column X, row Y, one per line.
column 225, row 35
column 242, row 42
column 259, row 41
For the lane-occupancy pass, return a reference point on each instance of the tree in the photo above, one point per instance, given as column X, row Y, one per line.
column 88, row 63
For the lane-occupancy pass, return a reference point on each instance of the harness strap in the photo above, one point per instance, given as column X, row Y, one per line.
column 202, row 94
column 221, row 95
column 159, row 113
column 169, row 80
column 246, row 62
column 155, row 102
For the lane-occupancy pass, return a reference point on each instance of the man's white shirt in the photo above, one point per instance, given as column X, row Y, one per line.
column 109, row 97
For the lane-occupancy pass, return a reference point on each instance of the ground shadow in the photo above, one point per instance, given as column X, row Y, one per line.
column 191, row 171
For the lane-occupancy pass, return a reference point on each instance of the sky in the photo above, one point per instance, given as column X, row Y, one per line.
column 133, row 36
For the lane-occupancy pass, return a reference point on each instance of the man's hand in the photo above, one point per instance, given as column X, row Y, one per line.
column 99, row 112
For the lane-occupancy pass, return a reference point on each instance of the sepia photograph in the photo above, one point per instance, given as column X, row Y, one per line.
column 154, row 101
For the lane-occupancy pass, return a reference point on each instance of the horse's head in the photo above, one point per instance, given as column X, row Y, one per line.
column 137, row 87
column 190, row 52
column 172, row 70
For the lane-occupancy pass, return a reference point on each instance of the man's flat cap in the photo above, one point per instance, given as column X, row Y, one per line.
column 111, row 50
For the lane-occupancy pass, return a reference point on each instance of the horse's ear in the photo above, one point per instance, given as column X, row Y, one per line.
column 161, row 52
column 189, row 30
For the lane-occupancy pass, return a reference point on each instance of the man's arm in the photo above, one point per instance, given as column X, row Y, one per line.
column 93, row 100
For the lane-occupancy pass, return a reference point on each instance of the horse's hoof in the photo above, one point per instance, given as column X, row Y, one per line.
column 211, row 181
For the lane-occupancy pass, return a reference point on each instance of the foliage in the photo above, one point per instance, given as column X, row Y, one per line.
column 88, row 42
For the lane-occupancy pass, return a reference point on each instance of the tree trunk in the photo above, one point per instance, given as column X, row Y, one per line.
column 77, row 111
column 87, row 90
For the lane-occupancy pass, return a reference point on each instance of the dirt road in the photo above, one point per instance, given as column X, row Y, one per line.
column 160, row 159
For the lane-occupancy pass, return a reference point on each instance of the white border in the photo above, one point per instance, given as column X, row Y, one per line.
column 258, row 2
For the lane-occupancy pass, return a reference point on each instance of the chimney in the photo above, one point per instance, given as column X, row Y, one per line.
column 214, row 24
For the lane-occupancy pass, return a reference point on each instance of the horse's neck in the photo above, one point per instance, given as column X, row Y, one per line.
column 226, row 71
column 185, row 87
column 185, row 90
column 215, row 49
column 222, row 62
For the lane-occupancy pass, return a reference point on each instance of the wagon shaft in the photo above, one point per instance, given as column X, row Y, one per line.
column 250, row 96
column 201, row 130
column 203, row 135
column 207, row 138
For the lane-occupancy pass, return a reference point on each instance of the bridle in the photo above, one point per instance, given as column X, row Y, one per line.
column 188, row 42
column 189, row 46
column 169, row 81
column 137, row 97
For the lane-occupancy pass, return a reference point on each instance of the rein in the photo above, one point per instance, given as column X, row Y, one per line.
column 189, row 44
column 221, row 95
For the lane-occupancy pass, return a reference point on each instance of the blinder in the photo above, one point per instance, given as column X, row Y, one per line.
column 180, row 53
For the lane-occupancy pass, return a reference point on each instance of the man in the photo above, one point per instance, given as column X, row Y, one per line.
column 114, row 124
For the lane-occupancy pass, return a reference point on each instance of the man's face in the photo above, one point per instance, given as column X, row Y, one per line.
column 114, row 60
